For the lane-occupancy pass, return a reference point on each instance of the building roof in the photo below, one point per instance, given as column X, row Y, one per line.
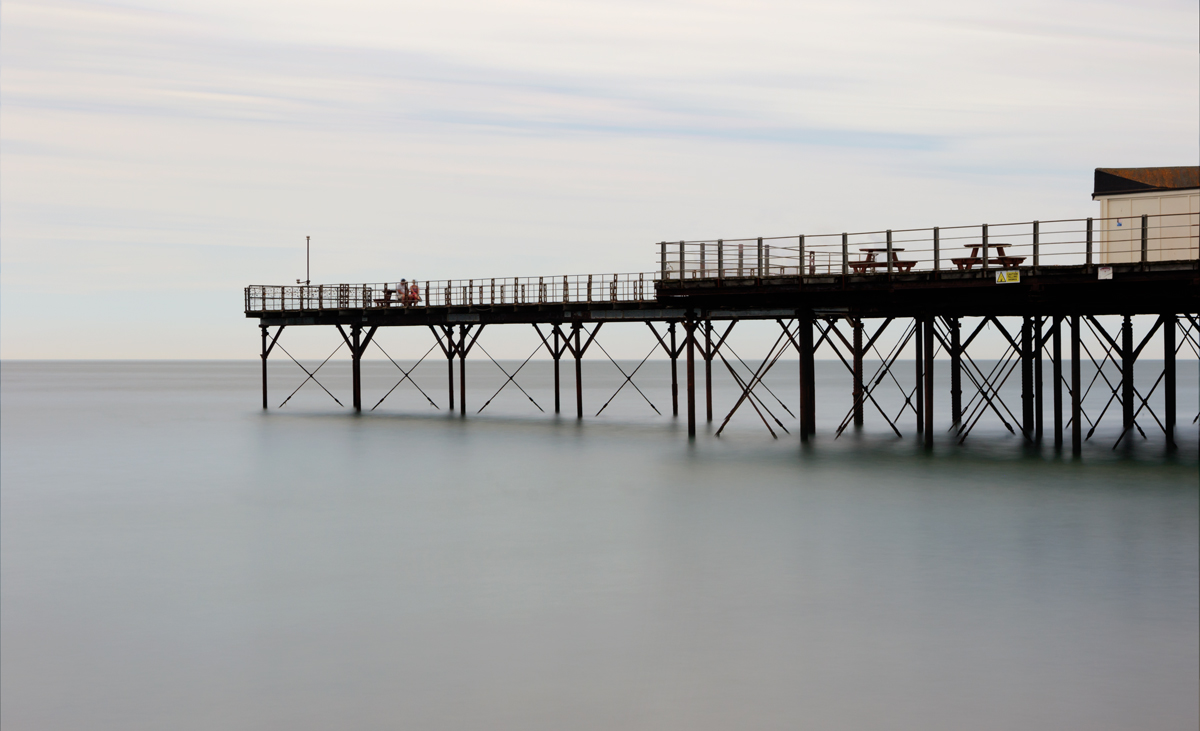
column 1113, row 181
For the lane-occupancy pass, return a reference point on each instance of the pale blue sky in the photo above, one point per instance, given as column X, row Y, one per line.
column 157, row 157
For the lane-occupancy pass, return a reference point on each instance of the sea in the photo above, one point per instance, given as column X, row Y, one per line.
column 173, row 556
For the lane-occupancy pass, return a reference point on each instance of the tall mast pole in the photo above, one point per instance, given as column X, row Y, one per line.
column 307, row 260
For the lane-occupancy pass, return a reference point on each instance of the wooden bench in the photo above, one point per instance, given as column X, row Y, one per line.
column 968, row 262
column 862, row 267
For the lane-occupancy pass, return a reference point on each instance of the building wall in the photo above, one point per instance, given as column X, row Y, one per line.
column 1173, row 227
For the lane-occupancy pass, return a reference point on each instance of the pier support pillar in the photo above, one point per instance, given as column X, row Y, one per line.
column 264, row 364
column 1056, row 374
column 808, row 401
column 266, row 353
column 708, row 356
column 690, row 335
column 1127, row 357
column 578, row 353
column 1076, row 378
column 1038, row 386
column 954, row 324
column 462, row 370
column 857, row 325
column 1027, row 377
column 557, row 354
column 674, row 372
column 927, row 325
column 355, row 365
column 1168, row 326
column 451, row 351
column 918, row 360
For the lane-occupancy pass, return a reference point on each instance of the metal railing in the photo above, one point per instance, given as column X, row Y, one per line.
column 568, row 289
column 1032, row 244
column 1007, row 246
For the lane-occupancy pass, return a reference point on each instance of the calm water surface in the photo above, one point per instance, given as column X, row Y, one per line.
column 172, row 557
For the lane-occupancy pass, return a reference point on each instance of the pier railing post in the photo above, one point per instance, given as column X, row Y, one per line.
column 1036, row 246
column 1145, row 240
column 663, row 273
column 937, row 248
column 889, row 253
column 1076, row 379
column 845, row 254
column 800, row 258
column 1088, row 244
column 1168, row 326
column 758, row 262
column 984, row 242
column 720, row 259
column 682, row 261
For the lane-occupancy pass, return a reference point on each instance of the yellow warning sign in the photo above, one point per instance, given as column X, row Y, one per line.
column 1008, row 277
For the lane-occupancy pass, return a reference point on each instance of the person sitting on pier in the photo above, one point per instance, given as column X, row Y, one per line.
column 402, row 291
column 414, row 293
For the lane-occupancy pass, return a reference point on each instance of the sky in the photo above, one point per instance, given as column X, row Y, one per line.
column 155, row 158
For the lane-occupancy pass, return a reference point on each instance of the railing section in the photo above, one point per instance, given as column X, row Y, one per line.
column 1006, row 246
column 569, row 289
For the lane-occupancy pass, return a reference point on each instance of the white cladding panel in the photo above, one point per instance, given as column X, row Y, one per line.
column 1174, row 226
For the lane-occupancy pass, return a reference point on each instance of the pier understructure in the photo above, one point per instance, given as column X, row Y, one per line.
column 932, row 291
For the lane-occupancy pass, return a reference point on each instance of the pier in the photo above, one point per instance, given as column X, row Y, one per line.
column 838, row 294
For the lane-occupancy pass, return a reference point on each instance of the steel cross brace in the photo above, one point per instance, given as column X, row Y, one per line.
column 512, row 378
column 311, row 376
column 988, row 382
column 407, row 376
column 748, row 386
column 884, row 369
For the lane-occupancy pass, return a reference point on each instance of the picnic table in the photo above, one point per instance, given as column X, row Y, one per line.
column 1000, row 258
column 873, row 261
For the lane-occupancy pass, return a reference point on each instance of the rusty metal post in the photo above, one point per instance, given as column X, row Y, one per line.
column 929, row 350
column 689, row 333
column 1168, row 325
column 578, row 353
column 808, row 420
column 1027, row 377
column 984, row 241
column 264, row 364
column 674, row 373
column 918, row 358
column 450, row 351
column 1145, row 240
column 355, row 359
column 857, row 381
column 954, row 324
column 1127, row 356
column 1038, row 384
column 1056, row 373
column 708, row 356
column 556, row 353
column 1076, row 379
column 462, row 370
